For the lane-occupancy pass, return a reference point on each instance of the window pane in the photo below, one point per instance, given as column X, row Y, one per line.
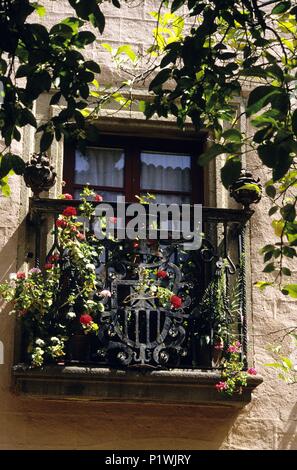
column 165, row 171
column 108, row 196
column 171, row 199
column 100, row 167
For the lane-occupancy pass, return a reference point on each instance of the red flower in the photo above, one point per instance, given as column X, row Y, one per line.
column 21, row 275
column 67, row 196
column 61, row 223
column 252, row 371
column 136, row 245
column 48, row 266
column 162, row 274
column 69, row 211
column 54, row 258
column 85, row 319
column 98, row 198
column 176, row 301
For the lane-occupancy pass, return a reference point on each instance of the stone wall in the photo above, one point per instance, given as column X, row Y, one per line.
column 268, row 422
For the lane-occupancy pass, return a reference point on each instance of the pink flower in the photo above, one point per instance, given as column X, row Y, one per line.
column 67, row 196
column 219, row 345
column 21, row 275
column 252, row 371
column 176, row 301
column 69, row 211
column 105, row 293
column 85, row 319
column 98, row 198
column 234, row 347
column 162, row 274
column 35, row 271
column 221, row 386
column 80, row 236
column 48, row 266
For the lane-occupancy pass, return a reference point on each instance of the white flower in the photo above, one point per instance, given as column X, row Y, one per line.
column 90, row 267
column 12, row 276
column 105, row 293
column 39, row 342
column 154, row 288
column 54, row 339
column 38, row 351
column 70, row 315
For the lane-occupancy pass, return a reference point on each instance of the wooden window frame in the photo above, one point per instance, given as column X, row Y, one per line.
column 132, row 147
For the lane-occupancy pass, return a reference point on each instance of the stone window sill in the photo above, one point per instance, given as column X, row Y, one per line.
column 102, row 384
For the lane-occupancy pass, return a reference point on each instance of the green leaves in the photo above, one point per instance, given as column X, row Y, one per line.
column 291, row 290
column 46, row 140
column 211, row 153
column 230, row 171
column 83, row 38
column 159, row 79
column 281, row 7
column 11, row 162
column 260, row 97
column 294, row 122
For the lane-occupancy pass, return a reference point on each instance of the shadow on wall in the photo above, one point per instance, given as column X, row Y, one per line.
column 288, row 439
column 9, row 253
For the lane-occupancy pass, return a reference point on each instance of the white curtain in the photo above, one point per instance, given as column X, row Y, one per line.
column 100, row 167
column 165, row 171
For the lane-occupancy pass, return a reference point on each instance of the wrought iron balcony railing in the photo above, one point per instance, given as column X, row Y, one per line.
column 136, row 330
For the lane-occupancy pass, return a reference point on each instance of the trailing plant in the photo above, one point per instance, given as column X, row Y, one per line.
column 64, row 297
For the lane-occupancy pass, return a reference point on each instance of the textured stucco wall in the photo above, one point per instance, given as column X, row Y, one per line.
column 268, row 422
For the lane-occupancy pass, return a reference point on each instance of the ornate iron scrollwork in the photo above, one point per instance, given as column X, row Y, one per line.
column 136, row 330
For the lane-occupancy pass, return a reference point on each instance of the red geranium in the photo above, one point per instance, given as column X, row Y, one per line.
column 85, row 319
column 162, row 274
column 67, row 196
column 48, row 266
column 61, row 223
column 69, row 211
column 54, row 258
column 21, row 275
column 176, row 301
column 98, row 198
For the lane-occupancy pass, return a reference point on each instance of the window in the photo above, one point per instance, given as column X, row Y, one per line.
column 123, row 166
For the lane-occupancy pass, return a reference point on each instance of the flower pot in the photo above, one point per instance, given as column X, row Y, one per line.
column 79, row 348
